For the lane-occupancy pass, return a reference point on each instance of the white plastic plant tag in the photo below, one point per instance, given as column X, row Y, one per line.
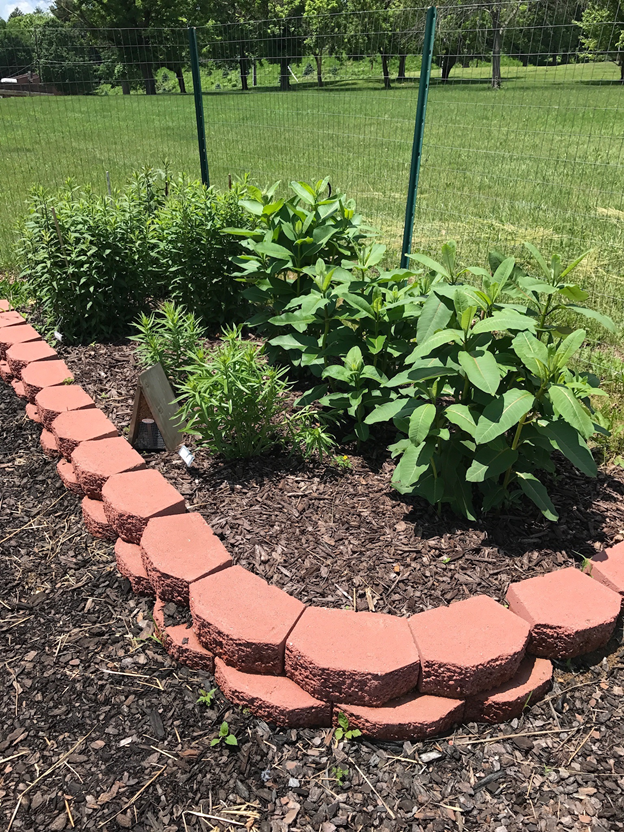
column 58, row 336
column 186, row 455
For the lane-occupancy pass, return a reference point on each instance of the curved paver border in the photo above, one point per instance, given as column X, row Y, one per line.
column 302, row 666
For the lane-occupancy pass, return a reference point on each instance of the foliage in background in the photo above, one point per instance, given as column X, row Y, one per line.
column 169, row 337
column 237, row 406
column 94, row 262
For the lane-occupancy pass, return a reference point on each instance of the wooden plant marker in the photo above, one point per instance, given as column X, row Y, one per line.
column 154, row 400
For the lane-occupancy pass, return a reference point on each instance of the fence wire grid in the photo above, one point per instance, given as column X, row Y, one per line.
column 523, row 141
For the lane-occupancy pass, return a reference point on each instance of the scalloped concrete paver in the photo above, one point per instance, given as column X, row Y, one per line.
column 68, row 477
column 412, row 717
column 48, row 444
column 21, row 355
column 179, row 550
column 607, row 567
column 5, row 372
column 95, row 520
column 96, row 460
column 273, row 698
column 19, row 334
column 76, row 426
column 181, row 642
column 364, row 658
column 33, row 413
column 568, row 612
column 52, row 401
column 468, row 647
column 40, row 374
column 10, row 318
column 130, row 565
column 132, row 499
column 528, row 686
column 18, row 388
column 243, row 620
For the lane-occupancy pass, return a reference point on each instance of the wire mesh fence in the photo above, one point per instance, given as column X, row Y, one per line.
column 524, row 138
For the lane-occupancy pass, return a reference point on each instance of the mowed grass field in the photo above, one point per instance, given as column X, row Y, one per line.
column 541, row 160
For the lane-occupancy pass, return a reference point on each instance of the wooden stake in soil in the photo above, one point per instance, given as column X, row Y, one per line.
column 154, row 400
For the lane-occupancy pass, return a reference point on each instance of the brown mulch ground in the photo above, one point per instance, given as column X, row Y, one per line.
column 77, row 661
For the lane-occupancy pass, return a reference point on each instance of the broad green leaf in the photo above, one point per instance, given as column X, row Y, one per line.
column 375, row 345
column 536, row 492
column 502, row 321
column 311, row 395
column 434, row 316
column 359, row 303
column 445, row 336
column 491, row 461
column 572, row 445
column 294, row 341
column 387, row 411
column 502, row 414
column 532, row 352
column 462, row 493
column 252, row 206
column 540, row 259
column 532, row 284
column 481, row 368
column 409, row 469
column 596, row 316
column 494, row 494
column 430, row 264
column 461, row 416
column 304, row 192
column 420, row 423
column 567, row 348
column 574, row 264
column 502, row 274
column 574, row 293
column 430, row 487
column 273, row 250
column 569, row 408
column 338, row 372
column 231, row 740
column 463, row 300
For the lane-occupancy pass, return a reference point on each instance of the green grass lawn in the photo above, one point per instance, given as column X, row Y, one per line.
column 541, row 160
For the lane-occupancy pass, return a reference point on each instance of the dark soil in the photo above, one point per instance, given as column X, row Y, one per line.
column 100, row 730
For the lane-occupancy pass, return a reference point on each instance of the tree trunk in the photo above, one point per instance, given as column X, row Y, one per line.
column 497, row 42
column 181, row 81
column 401, row 72
column 448, row 62
column 284, row 75
column 319, row 69
column 125, row 87
column 254, row 73
column 148, row 78
column 622, row 70
column 244, row 72
column 385, row 69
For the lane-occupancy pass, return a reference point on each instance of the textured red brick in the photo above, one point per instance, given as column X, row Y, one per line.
column 568, row 612
column 178, row 550
column 5, row 305
column 364, row 658
column 132, row 499
column 33, row 413
column 243, row 620
column 95, row 519
column 5, row 372
column 18, row 388
column 471, row 646
column 10, row 318
column 528, row 686
column 48, row 444
column 19, row 334
column 607, row 567
column 40, row 374
column 68, row 477
column 98, row 459
column 129, row 563
column 76, row 426
column 412, row 717
column 53, row 401
column 273, row 698
column 181, row 642
column 21, row 355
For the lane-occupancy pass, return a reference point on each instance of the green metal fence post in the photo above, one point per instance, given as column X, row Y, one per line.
column 199, row 106
column 419, row 128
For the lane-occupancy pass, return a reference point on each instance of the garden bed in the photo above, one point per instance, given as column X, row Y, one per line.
column 90, row 672
column 321, row 532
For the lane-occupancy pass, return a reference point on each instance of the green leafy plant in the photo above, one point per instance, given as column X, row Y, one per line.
column 225, row 736
column 489, row 393
column 169, row 337
column 343, row 732
column 339, row 773
column 206, row 697
column 237, row 406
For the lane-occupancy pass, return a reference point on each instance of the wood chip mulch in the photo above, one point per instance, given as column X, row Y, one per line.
column 100, row 730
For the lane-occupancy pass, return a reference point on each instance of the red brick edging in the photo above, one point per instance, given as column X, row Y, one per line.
column 394, row 678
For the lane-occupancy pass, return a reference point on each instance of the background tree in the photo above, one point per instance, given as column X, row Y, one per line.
column 325, row 28
column 602, row 25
